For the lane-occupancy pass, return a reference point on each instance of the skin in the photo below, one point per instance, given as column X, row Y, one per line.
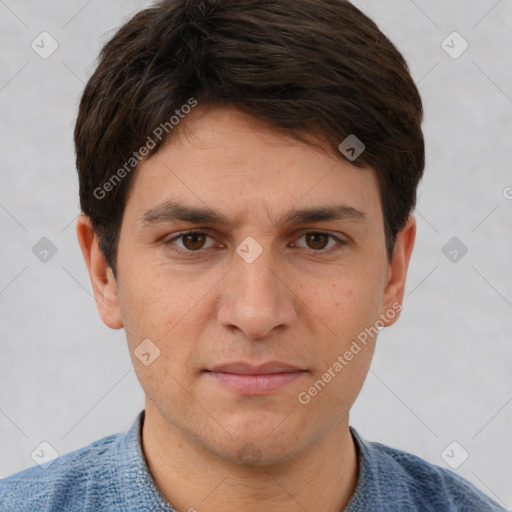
column 303, row 301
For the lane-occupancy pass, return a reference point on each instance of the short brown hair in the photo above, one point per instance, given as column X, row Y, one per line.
column 318, row 67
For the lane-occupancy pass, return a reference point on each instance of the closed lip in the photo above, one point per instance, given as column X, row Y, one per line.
column 245, row 368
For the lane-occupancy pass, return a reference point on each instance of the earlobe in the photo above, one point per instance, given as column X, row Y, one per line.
column 102, row 278
column 398, row 266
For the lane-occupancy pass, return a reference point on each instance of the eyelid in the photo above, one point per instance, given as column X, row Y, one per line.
column 340, row 241
column 181, row 234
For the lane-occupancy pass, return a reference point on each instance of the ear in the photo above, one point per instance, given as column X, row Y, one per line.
column 102, row 278
column 394, row 292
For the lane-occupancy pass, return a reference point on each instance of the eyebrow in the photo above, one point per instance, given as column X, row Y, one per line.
column 172, row 211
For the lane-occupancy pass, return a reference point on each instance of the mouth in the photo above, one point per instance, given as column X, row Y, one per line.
column 255, row 380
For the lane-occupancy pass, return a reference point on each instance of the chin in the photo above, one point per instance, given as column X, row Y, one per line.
column 259, row 453
column 259, row 439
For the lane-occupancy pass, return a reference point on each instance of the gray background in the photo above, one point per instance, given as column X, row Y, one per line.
column 442, row 374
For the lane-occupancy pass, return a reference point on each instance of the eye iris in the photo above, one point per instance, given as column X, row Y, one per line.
column 317, row 240
column 193, row 241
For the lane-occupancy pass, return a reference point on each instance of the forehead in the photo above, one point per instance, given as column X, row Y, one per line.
column 224, row 159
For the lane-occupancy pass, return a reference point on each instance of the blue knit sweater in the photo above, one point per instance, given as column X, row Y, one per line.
column 111, row 475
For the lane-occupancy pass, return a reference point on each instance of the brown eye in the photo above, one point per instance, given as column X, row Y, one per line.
column 193, row 241
column 317, row 241
column 320, row 241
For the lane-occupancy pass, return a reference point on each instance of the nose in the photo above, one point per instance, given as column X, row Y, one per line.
column 257, row 297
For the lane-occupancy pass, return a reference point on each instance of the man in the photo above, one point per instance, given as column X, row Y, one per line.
column 247, row 174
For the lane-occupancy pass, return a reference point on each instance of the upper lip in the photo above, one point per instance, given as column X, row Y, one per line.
column 243, row 368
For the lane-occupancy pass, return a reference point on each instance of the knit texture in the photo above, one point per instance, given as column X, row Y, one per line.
column 111, row 475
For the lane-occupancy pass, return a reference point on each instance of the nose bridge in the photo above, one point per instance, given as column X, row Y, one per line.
column 258, row 279
column 255, row 300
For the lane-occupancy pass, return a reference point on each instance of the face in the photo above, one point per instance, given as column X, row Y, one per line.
column 252, row 262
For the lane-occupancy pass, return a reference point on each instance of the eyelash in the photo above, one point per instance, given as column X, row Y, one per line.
column 170, row 243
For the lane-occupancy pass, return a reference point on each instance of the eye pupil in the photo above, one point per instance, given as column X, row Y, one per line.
column 317, row 240
column 193, row 241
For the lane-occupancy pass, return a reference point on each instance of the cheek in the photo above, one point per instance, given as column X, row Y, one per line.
column 344, row 307
column 170, row 309
column 143, row 306
column 153, row 299
column 166, row 311
column 341, row 314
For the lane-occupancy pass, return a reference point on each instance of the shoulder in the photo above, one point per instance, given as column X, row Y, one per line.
column 88, row 471
column 403, row 481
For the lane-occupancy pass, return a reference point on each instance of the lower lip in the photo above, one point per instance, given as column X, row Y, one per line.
column 255, row 384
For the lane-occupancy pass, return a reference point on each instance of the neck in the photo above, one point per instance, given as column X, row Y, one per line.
column 192, row 478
